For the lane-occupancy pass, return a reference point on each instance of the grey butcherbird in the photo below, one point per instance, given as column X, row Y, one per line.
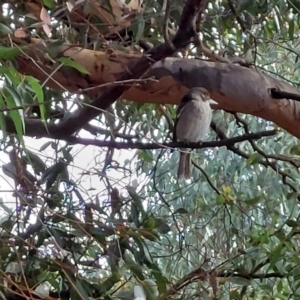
column 192, row 123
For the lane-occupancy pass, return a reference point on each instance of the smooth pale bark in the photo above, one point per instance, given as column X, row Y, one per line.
column 235, row 88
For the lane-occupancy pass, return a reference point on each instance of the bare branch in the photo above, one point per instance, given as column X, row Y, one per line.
column 238, row 18
column 165, row 25
column 94, row 130
column 155, row 145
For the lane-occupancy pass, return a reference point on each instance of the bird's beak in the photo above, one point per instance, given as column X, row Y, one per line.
column 212, row 102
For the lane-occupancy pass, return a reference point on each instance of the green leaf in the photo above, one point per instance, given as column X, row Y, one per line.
column 146, row 251
column 110, row 282
column 125, row 295
column 134, row 215
column 46, row 145
column 4, row 207
column 13, row 77
column 238, row 280
column 220, row 200
column 253, row 201
column 275, row 256
column 77, row 289
column 291, row 29
column 7, row 225
column 279, row 286
column 50, row 174
column 254, row 158
column 49, row 4
column 135, row 268
column 73, row 64
column 292, row 195
column 4, row 30
column 38, row 90
column 292, row 223
column 2, row 118
column 67, row 155
column 181, row 211
column 145, row 155
column 141, row 27
column 54, row 49
column 150, row 235
column 161, row 226
column 8, row 53
column 136, row 199
column 149, row 223
column 161, row 280
column 295, row 150
column 35, row 161
column 16, row 115
column 151, row 289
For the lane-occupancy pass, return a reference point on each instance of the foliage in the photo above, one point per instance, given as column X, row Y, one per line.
column 88, row 222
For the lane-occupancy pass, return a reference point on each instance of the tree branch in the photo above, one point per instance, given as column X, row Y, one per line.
column 238, row 18
column 32, row 228
column 200, row 274
column 253, row 276
column 182, row 39
column 155, row 145
column 262, row 162
column 94, row 130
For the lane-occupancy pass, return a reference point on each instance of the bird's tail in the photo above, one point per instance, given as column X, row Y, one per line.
column 184, row 167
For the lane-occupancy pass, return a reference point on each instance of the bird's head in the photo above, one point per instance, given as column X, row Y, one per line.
column 199, row 93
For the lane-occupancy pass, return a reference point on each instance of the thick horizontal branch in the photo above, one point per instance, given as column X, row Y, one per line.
column 235, row 88
column 155, row 145
column 183, row 37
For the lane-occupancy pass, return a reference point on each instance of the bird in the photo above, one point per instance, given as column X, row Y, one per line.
column 193, row 118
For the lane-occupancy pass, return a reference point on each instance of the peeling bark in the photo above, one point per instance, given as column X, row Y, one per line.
column 235, row 88
column 184, row 36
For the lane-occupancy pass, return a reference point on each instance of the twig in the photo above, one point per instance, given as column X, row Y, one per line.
column 32, row 228
column 264, row 163
column 163, row 110
column 94, row 130
column 199, row 274
column 212, row 55
column 238, row 18
column 155, row 145
column 291, row 160
column 146, row 46
column 117, row 83
column 253, row 276
column 207, row 178
column 166, row 26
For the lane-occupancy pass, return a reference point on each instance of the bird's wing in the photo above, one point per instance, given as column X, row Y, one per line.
column 179, row 110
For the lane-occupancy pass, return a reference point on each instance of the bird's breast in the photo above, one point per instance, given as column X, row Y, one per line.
column 194, row 121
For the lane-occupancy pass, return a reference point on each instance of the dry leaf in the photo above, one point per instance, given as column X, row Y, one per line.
column 20, row 33
column 45, row 16
column 70, row 5
column 47, row 21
